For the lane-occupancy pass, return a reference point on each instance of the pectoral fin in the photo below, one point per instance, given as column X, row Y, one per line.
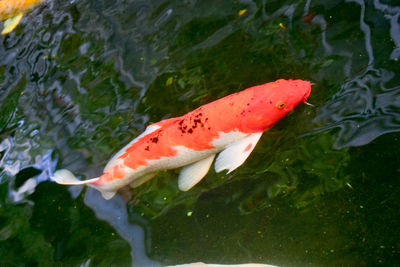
column 143, row 179
column 11, row 23
column 236, row 154
column 107, row 195
column 191, row 174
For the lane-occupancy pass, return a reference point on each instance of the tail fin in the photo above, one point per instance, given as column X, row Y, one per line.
column 66, row 177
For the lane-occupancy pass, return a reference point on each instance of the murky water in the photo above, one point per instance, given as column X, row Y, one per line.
column 79, row 79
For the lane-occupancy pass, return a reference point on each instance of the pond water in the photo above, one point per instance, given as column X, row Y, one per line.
column 79, row 79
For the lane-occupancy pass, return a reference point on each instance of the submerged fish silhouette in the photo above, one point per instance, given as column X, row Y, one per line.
column 230, row 126
column 12, row 12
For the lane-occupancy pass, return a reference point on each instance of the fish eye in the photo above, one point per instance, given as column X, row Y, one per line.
column 280, row 105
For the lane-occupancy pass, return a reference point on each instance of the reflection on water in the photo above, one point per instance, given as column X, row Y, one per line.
column 114, row 212
column 79, row 79
column 366, row 106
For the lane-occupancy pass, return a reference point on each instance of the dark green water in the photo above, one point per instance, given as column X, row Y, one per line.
column 80, row 79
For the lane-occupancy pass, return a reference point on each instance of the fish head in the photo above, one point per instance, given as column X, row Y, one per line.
column 287, row 94
column 272, row 101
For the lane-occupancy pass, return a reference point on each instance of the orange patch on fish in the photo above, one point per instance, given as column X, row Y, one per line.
column 249, row 146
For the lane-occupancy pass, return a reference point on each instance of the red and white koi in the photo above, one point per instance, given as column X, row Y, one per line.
column 230, row 126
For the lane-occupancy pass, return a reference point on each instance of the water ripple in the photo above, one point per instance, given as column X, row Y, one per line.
column 367, row 105
column 79, row 79
column 363, row 109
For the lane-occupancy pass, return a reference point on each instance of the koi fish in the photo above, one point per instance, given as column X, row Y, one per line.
column 230, row 126
column 12, row 12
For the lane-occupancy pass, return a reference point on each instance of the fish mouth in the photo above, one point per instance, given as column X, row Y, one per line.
column 307, row 94
column 305, row 102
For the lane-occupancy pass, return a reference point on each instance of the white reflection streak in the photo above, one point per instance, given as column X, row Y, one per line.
column 126, row 74
column 307, row 7
column 320, row 20
column 114, row 212
column 26, row 189
column 77, row 78
column 367, row 31
column 11, row 165
column 395, row 34
column 5, row 146
column 228, row 29
column 392, row 13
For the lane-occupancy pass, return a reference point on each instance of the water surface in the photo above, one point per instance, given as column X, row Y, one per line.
column 80, row 79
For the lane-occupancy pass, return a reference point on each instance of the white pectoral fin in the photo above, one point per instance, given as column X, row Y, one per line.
column 68, row 178
column 191, row 174
column 236, row 154
column 11, row 23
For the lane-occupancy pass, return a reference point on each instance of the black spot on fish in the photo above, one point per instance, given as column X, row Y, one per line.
column 190, row 131
column 147, row 148
column 182, row 127
column 154, row 139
